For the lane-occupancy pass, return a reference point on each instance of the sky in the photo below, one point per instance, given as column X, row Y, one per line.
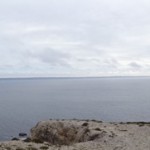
column 74, row 38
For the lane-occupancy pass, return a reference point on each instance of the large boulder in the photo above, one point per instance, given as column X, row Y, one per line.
column 59, row 132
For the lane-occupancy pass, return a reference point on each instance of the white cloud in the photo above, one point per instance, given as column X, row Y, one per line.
column 74, row 38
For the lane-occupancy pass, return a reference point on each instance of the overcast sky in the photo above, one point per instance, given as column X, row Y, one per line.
column 74, row 38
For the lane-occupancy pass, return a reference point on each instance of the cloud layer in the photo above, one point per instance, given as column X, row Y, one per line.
column 74, row 38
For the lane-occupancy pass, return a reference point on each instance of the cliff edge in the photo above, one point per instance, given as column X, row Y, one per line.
column 84, row 135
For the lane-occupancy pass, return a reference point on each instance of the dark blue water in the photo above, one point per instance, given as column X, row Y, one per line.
column 24, row 102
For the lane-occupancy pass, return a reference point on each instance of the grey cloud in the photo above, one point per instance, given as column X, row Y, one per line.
column 52, row 57
column 135, row 65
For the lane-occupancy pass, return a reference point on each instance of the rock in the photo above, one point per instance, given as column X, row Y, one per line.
column 27, row 139
column 15, row 139
column 22, row 134
column 59, row 133
column 85, row 124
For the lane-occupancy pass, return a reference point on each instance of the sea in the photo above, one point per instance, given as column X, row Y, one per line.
column 24, row 102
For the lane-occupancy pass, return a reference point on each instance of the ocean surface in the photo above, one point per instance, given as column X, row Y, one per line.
column 24, row 102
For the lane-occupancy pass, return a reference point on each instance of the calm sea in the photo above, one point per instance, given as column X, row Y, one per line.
column 24, row 102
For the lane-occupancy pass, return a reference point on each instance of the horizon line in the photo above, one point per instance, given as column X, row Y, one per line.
column 59, row 77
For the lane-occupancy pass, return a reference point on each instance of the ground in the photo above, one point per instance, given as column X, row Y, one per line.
column 106, row 136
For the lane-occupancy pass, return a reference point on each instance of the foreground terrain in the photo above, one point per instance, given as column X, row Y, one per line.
column 84, row 135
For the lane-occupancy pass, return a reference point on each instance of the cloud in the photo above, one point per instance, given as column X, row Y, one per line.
column 51, row 57
column 74, row 38
column 135, row 65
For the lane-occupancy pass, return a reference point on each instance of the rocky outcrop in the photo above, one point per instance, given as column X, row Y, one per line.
column 61, row 132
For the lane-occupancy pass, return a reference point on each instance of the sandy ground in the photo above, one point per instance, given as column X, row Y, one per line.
column 112, row 136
